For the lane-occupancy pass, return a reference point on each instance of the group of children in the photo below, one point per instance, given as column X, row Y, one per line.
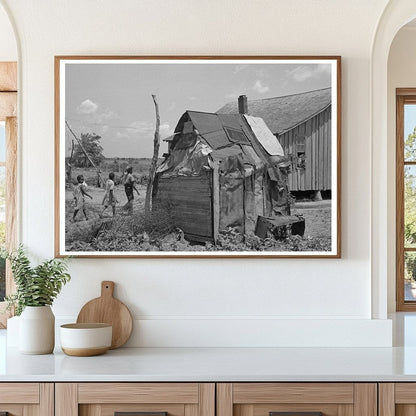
column 80, row 191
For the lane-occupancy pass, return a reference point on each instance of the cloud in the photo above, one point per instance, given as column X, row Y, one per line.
column 93, row 118
column 87, row 107
column 304, row 72
column 165, row 130
column 105, row 115
column 260, row 88
column 141, row 126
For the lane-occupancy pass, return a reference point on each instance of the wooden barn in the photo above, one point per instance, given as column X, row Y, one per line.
column 223, row 171
column 302, row 124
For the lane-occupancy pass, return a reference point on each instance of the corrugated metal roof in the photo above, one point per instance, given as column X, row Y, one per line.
column 227, row 135
column 216, row 139
column 229, row 120
column 265, row 136
column 218, row 130
column 205, row 122
column 283, row 113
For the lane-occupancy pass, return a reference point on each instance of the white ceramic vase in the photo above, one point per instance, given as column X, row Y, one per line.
column 37, row 330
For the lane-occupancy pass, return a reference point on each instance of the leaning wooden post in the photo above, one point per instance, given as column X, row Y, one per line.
column 69, row 172
column 85, row 152
column 152, row 170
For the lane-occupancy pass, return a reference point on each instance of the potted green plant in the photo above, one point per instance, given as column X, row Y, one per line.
column 36, row 289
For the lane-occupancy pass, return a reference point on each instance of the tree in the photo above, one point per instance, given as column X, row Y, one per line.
column 410, row 190
column 410, row 146
column 91, row 144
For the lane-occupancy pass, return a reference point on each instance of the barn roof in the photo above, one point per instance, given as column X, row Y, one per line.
column 283, row 113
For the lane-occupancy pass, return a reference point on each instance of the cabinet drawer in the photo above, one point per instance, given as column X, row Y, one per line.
column 138, row 393
column 146, row 399
column 397, row 399
column 297, row 399
column 21, row 399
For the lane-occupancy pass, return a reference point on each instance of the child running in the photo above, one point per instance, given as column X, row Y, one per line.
column 109, row 197
column 80, row 190
column 129, row 185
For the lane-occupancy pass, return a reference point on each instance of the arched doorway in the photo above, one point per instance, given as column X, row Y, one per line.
column 396, row 15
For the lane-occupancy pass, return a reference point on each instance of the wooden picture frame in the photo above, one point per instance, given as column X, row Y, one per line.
column 249, row 162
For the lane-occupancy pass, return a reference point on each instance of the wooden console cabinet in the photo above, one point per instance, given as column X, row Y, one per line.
column 208, row 399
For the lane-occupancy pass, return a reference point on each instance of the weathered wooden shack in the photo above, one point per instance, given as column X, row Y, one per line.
column 222, row 171
column 302, row 124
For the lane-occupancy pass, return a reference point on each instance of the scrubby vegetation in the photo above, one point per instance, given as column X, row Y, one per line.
column 125, row 233
column 133, row 233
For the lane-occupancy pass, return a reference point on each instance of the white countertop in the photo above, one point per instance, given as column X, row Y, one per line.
column 215, row 364
column 222, row 364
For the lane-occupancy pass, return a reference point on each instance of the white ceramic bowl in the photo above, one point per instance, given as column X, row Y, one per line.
column 83, row 340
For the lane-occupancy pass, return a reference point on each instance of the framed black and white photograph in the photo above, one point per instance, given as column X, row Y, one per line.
column 197, row 156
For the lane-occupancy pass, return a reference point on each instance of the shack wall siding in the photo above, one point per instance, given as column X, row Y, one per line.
column 315, row 135
column 191, row 201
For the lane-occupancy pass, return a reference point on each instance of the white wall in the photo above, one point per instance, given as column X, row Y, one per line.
column 8, row 47
column 203, row 302
column 401, row 74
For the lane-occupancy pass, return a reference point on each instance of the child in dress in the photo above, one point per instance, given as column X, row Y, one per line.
column 109, row 197
column 80, row 190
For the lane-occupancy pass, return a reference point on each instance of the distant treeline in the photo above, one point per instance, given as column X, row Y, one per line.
column 112, row 164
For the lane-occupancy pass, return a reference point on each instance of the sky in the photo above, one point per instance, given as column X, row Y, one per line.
column 114, row 100
column 409, row 119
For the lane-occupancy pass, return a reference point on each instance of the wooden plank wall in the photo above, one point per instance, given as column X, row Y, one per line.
column 315, row 134
column 191, row 200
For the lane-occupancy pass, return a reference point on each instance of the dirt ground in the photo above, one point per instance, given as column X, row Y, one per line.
column 94, row 206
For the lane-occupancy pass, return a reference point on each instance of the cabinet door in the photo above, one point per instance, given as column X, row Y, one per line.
column 397, row 399
column 26, row 399
column 142, row 399
column 297, row 399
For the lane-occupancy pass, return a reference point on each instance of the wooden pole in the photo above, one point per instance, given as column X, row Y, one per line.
column 85, row 152
column 152, row 170
column 69, row 173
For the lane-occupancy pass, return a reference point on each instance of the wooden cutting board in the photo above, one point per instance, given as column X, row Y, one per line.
column 107, row 309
